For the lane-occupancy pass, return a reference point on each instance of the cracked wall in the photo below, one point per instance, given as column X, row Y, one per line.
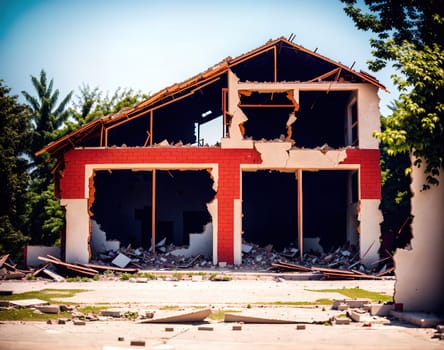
column 420, row 271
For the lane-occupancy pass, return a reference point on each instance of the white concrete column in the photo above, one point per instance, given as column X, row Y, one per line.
column 369, row 116
column 77, row 230
column 420, row 271
column 237, row 231
column 370, row 218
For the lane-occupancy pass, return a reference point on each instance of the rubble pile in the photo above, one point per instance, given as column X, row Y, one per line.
column 342, row 263
column 8, row 269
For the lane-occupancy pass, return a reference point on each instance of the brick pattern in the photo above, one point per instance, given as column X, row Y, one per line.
column 370, row 174
column 72, row 181
column 229, row 160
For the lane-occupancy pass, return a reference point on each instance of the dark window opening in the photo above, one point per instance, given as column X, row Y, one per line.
column 322, row 119
column 269, row 207
column 267, row 114
column 123, row 205
column 326, row 208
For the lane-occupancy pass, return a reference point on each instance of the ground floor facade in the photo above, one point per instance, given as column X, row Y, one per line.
column 271, row 193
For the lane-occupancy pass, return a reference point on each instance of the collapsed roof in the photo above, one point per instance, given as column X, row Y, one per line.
column 199, row 97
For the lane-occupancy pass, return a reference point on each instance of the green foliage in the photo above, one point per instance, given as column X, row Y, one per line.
column 409, row 36
column 47, row 120
column 125, row 276
column 91, row 104
column 395, row 203
column 29, row 315
column 14, row 178
column 49, row 295
column 358, row 293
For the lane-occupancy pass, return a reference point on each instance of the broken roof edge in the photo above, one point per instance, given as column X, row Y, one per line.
column 211, row 72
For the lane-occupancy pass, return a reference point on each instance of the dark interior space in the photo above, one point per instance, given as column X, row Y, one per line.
column 123, row 205
column 265, row 120
column 321, row 119
column 269, row 207
column 325, row 206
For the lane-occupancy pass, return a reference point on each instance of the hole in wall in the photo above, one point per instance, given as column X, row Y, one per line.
column 123, row 205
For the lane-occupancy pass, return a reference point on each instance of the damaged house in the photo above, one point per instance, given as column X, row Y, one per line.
column 294, row 162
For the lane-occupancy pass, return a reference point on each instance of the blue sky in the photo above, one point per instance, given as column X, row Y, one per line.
column 149, row 45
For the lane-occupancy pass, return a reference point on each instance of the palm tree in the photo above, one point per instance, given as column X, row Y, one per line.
column 47, row 120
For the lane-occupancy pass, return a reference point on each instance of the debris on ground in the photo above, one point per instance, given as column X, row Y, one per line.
column 339, row 263
column 8, row 269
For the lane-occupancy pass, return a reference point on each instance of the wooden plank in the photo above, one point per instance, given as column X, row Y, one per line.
column 84, row 270
column 3, row 259
column 291, row 266
column 386, row 272
column 111, row 268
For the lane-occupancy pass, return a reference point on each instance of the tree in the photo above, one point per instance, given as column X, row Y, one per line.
column 409, row 37
column 14, row 178
column 92, row 104
column 47, row 121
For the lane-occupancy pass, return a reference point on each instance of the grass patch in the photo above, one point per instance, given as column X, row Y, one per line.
column 219, row 315
column 90, row 309
column 148, row 275
column 358, row 293
column 169, row 307
column 48, row 295
column 322, row 301
column 29, row 315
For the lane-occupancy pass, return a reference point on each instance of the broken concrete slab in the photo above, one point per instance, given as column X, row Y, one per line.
column 27, row 302
column 352, row 303
column 178, row 316
column 110, row 313
column 379, row 309
column 421, row 319
column 56, row 277
column 281, row 316
column 121, row 260
column 48, row 309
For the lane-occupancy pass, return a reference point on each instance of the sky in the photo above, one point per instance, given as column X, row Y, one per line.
column 152, row 44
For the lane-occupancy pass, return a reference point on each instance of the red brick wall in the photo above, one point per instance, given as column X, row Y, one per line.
column 370, row 173
column 73, row 179
column 229, row 160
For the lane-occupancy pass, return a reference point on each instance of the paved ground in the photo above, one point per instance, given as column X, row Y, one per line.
column 238, row 293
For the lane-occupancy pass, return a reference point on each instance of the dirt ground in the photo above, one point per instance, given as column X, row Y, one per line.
column 255, row 291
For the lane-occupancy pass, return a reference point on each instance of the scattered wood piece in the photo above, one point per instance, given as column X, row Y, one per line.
column 3, row 259
column 75, row 268
column 56, row 277
column 289, row 266
column 191, row 263
column 386, row 272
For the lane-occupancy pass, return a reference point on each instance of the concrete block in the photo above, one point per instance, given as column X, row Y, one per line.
column 420, row 319
column 358, row 315
column 380, row 309
column 110, row 313
column 121, row 260
column 205, row 328
column 342, row 320
column 79, row 323
column 48, row 309
column 137, row 343
column 342, row 307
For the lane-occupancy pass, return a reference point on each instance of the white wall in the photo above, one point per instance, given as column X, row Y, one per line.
column 77, row 230
column 370, row 218
column 420, row 271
